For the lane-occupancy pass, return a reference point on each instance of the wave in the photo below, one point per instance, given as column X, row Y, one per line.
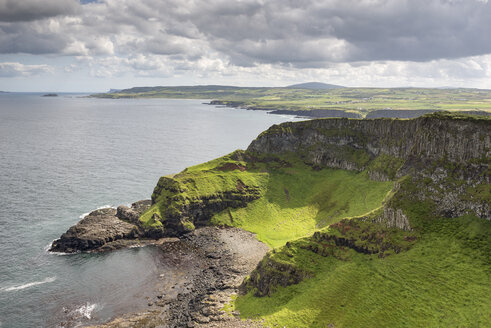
column 30, row 284
column 78, row 315
column 48, row 247
column 99, row 208
column 86, row 310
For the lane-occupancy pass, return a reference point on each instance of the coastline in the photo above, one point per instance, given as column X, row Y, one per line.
column 340, row 113
column 200, row 270
column 212, row 263
column 215, row 258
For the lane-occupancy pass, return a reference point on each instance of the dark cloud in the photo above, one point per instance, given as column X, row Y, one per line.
column 30, row 10
column 289, row 33
column 26, row 39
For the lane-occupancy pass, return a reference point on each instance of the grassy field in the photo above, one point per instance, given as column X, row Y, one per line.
column 439, row 275
column 443, row 281
column 294, row 200
column 354, row 100
column 298, row 201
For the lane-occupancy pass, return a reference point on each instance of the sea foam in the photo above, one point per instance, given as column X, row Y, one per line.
column 99, row 208
column 30, row 284
column 86, row 310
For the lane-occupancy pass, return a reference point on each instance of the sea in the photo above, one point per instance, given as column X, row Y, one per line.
column 62, row 157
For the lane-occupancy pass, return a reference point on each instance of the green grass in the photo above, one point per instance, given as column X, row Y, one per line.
column 292, row 199
column 442, row 281
column 299, row 200
column 214, row 179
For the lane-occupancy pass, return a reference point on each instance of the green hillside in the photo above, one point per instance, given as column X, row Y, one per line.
column 443, row 280
column 371, row 223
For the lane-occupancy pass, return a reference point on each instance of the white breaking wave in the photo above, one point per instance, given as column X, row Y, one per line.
column 35, row 283
column 99, row 208
column 46, row 248
column 136, row 246
column 86, row 310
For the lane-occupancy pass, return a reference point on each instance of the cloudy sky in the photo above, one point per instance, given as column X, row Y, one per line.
column 87, row 45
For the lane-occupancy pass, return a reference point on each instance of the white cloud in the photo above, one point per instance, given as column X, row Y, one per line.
column 10, row 69
column 352, row 42
column 76, row 48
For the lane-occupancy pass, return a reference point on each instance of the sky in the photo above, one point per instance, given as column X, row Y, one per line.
column 92, row 46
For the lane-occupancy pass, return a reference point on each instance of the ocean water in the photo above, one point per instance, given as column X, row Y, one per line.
column 64, row 156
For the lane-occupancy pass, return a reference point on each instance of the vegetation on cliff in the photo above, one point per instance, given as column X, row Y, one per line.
column 299, row 200
column 442, row 280
column 421, row 261
column 371, row 222
column 278, row 198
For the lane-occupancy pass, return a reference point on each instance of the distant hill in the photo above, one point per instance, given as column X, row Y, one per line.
column 314, row 86
column 186, row 88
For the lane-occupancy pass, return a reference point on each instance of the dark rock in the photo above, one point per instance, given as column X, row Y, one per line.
column 93, row 231
column 103, row 230
column 127, row 214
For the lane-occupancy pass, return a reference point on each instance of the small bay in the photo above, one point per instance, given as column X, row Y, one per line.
column 64, row 156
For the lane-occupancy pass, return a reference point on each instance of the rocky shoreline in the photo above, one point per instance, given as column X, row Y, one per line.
column 209, row 264
column 212, row 263
column 330, row 113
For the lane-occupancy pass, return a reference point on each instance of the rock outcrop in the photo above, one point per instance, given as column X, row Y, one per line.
column 103, row 229
column 394, row 218
column 183, row 212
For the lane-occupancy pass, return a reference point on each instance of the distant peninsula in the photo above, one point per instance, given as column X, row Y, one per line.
column 50, row 95
column 319, row 100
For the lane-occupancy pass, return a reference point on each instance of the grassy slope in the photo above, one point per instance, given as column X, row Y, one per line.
column 443, row 281
column 296, row 200
column 299, row 200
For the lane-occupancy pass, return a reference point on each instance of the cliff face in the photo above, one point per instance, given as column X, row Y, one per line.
column 449, row 153
column 433, row 137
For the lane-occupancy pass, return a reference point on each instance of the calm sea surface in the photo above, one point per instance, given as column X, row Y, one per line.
column 64, row 156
